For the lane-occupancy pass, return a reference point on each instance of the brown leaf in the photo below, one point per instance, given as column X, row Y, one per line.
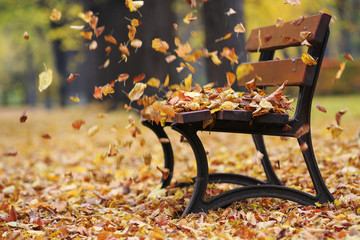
column 320, row 108
column 10, row 153
column 46, row 136
column 165, row 172
column 26, row 36
column 302, row 130
column 139, row 78
column 348, row 57
column 304, row 146
column 12, row 215
column 78, row 123
column 23, row 117
column 339, row 115
column 110, row 39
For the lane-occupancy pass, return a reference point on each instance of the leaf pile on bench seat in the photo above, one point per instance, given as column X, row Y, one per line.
column 257, row 101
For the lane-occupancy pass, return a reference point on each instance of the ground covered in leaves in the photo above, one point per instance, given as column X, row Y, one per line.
column 100, row 178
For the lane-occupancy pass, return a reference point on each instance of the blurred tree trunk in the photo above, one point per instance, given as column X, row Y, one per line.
column 157, row 19
column 344, row 10
column 217, row 25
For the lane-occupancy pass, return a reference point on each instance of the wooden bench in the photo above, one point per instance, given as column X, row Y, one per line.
column 273, row 73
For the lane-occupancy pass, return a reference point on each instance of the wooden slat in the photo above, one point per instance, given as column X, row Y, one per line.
column 272, row 118
column 273, row 37
column 275, row 72
column 193, row 116
column 236, row 115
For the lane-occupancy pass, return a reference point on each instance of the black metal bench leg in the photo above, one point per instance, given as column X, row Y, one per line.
column 197, row 203
column 167, row 149
column 269, row 170
column 322, row 193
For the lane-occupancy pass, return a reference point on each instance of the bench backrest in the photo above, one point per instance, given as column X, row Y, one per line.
column 268, row 39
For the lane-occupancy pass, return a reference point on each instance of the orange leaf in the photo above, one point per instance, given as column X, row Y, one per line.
column 124, row 49
column 227, row 36
column 348, row 57
column 159, row 45
column 98, row 93
column 78, row 123
column 87, row 35
column 167, row 79
column 107, row 89
column 110, row 39
column 26, row 36
column 108, row 49
column 132, row 32
column 122, row 77
column 72, row 77
column 93, row 22
column 74, row 99
column 86, row 16
column 230, row 78
column 320, row 108
column 135, row 22
column 139, row 78
column 99, row 31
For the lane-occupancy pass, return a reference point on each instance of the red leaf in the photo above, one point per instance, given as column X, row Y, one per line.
column 72, row 77
column 98, row 93
column 78, row 123
column 320, row 108
column 302, row 130
column 23, row 117
column 46, row 136
column 139, row 78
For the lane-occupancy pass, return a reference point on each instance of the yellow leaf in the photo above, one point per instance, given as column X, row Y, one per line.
column 215, row 58
column 134, row 5
column 107, row 89
column 157, row 192
column 230, row 78
column 153, row 82
column 308, row 59
column 137, row 91
column 189, row 18
column 239, row 28
column 191, row 68
column 45, row 79
column 243, row 70
column 159, row 45
column 337, row 202
column 188, row 82
column 74, row 99
column 341, row 70
column 167, row 80
column 93, row 130
column 55, row 15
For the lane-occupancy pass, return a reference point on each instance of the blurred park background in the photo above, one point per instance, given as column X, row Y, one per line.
column 65, row 51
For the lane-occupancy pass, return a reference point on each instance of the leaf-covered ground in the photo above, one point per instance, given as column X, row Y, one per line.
column 100, row 181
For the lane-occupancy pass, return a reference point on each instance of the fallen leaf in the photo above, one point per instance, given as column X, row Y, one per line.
column 10, row 153
column 46, row 136
column 93, row 130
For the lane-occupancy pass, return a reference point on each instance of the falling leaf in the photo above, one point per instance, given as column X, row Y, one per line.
column 139, row 78
column 227, row 36
column 87, row 35
column 86, row 17
column 339, row 115
column 304, row 35
column 189, row 18
column 72, row 77
column 167, row 80
column 320, row 108
column 135, row 22
column 110, row 39
column 93, row 130
column 239, row 28
column 132, row 32
column 106, row 64
column 98, row 93
column 124, row 49
column 107, row 89
column 108, row 49
column 93, row 22
column 55, row 15
column 335, row 130
column 122, row 77
column 230, row 77
column 93, row 45
column 23, row 117
column 308, row 59
column 302, row 130
column 45, row 79
column 10, row 153
column 341, row 70
column 170, row 58
column 147, row 159
column 98, row 31
column 26, row 36
column 348, row 57
column 136, row 43
column 230, row 12
column 165, row 172
column 188, row 82
column 243, row 70
column 279, row 22
column 137, row 91
column 304, row 146
column 215, row 58
column 306, row 43
column 159, row 45
column 153, row 82
column 133, row 5
column 81, row 27
column 46, row 136
column 292, row 2
column 77, row 124
column 230, row 55
column 74, row 99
